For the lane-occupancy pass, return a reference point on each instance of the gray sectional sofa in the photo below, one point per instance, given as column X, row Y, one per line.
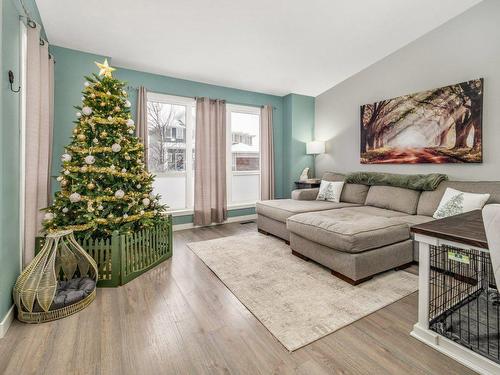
column 368, row 232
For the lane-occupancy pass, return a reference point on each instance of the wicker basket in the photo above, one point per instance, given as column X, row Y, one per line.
column 61, row 258
column 121, row 258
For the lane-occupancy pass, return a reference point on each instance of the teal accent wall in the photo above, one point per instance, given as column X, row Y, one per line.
column 9, row 165
column 69, row 72
column 10, row 105
column 186, row 219
column 72, row 66
column 298, row 114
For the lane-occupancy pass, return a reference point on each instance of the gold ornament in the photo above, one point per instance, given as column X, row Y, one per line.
column 92, row 96
column 117, row 109
column 64, row 182
column 103, row 104
column 108, row 93
column 81, row 137
column 75, row 131
column 91, row 186
column 105, row 69
column 104, row 134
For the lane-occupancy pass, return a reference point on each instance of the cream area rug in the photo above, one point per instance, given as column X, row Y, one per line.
column 297, row 301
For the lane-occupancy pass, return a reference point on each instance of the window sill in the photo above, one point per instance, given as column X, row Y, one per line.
column 189, row 211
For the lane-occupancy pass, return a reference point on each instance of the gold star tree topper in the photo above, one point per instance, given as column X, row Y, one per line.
column 105, row 69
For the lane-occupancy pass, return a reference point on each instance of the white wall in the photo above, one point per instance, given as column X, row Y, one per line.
column 464, row 48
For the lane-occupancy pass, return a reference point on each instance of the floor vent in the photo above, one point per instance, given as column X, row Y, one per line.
column 247, row 222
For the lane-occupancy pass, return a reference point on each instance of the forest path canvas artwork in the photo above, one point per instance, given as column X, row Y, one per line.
column 443, row 125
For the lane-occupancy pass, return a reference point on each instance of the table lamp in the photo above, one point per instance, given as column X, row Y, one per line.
column 315, row 148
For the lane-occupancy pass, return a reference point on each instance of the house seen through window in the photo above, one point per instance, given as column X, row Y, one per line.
column 171, row 151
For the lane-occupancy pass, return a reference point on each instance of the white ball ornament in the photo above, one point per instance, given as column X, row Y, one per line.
column 141, row 213
column 125, row 216
column 116, row 147
column 124, row 170
column 78, row 114
column 83, row 98
column 90, row 159
column 65, row 158
column 131, row 131
column 127, row 104
column 112, row 167
column 66, row 172
column 75, row 197
column 95, row 140
column 59, row 178
column 100, row 207
column 130, row 122
column 110, row 118
column 146, row 202
column 119, row 194
column 65, row 210
column 139, row 186
column 86, row 111
column 49, row 216
column 86, row 84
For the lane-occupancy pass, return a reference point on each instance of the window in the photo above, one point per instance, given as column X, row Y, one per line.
column 243, row 150
column 171, row 122
column 171, row 132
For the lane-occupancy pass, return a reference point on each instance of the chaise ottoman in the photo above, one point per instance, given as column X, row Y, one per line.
column 353, row 244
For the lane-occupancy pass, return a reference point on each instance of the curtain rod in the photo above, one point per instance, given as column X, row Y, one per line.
column 194, row 97
column 32, row 24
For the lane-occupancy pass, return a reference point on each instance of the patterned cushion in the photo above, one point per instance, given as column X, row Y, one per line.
column 330, row 191
column 455, row 202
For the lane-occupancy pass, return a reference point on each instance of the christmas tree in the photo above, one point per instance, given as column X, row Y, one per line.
column 104, row 184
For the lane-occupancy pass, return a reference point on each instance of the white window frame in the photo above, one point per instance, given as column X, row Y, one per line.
column 230, row 108
column 188, row 173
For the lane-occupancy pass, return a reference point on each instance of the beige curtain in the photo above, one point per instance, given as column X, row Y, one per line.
column 210, row 203
column 52, row 63
column 39, row 98
column 266, row 153
column 142, row 120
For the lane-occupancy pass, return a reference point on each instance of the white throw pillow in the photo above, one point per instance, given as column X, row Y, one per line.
column 456, row 202
column 330, row 191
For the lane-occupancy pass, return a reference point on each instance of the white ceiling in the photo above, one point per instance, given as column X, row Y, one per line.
column 271, row 46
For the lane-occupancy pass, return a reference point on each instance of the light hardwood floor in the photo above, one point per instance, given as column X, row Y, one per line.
column 180, row 319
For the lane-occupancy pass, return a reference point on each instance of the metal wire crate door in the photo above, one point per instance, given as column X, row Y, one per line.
column 464, row 301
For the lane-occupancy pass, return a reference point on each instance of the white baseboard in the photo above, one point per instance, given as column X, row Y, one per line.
column 7, row 320
column 234, row 219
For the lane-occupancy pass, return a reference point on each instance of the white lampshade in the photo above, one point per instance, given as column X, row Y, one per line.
column 315, row 147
